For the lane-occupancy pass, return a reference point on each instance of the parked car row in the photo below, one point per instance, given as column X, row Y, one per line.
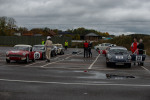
column 27, row 52
column 102, row 48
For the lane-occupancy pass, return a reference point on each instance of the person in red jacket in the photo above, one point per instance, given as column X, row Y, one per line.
column 134, row 46
column 86, row 49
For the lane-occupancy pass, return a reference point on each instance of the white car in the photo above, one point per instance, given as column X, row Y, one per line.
column 60, row 49
column 102, row 46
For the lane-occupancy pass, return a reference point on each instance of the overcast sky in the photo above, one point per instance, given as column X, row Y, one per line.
column 122, row 16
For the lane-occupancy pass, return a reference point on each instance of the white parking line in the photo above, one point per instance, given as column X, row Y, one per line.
column 88, row 84
column 44, row 61
column 62, row 56
column 34, row 63
column 58, row 61
column 94, row 62
column 145, row 69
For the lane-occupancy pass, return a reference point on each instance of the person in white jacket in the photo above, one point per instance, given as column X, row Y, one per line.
column 48, row 46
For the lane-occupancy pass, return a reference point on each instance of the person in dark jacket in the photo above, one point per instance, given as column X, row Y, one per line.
column 89, row 48
column 140, row 47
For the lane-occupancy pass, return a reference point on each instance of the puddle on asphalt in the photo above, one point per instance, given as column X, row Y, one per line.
column 99, row 75
column 110, row 76
column 94, row 75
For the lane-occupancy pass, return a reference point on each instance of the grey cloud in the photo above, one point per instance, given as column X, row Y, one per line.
column 112, row 15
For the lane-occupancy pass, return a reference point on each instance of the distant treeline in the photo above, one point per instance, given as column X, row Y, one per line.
column 127, row 40
column 8, row 27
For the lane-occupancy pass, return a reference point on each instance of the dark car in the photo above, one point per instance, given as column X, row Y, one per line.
column 40, row 52
column 118, row 56
column 60, row 49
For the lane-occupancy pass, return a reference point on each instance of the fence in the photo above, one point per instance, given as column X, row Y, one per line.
column 31, row 40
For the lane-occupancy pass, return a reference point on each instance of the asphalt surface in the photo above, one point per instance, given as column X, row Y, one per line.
column 72, row 77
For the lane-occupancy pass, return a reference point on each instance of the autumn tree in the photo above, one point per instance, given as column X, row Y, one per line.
column 7, row 26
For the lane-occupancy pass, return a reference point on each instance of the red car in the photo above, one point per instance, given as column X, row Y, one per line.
column 40, row 51
column 20, row 53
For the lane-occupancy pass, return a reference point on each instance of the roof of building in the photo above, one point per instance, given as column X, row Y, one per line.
column 91, row 34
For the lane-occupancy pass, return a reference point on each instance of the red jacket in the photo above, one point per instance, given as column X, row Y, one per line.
column 134, row 46
column 86, row 45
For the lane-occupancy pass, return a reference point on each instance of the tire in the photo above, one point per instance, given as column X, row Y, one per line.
column 33, row 60
column 107, row 64
column 142, row 64
column 61, row 53
column 43, row 56
column 55, row 54
column 8, row 61
column 97, row 49
column 128, row 65
column 27, row 59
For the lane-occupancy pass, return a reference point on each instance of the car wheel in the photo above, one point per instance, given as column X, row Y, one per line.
column 97, row 49
column 142, row 64
column 33, row 60
column 27, row 59
column 43, row 56
column 61, row 53
column 52, row 54
column 8, row 61
column 55, row 54
column 107, row 64
column 129, row 65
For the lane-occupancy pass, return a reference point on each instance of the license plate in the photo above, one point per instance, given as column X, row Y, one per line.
column 119, row 63
column 138, row 58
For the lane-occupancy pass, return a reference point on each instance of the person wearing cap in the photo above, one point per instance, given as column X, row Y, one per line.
column 48, row 46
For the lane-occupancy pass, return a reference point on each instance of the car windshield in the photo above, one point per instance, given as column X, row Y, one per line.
column 107, row 44
column 38, row 48
column 116, row 51
column 21, row 48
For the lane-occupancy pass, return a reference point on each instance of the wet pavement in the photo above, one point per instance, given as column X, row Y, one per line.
column 72, row 77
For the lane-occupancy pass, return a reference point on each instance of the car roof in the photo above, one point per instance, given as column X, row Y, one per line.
column 118, row 47
column 106, row 43
column 23, row 45
column 57, row 44
column 40, row 45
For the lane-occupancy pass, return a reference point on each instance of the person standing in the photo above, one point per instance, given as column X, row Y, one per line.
column 66, row 45
column 48, row 46
column 86, row 49
column 134, row 46
column 140, row 46
column 43, row 42
column 89, row 48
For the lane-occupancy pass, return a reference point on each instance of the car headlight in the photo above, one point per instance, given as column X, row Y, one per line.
column 24, row 54
column 129, row 57
column 109, row 56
